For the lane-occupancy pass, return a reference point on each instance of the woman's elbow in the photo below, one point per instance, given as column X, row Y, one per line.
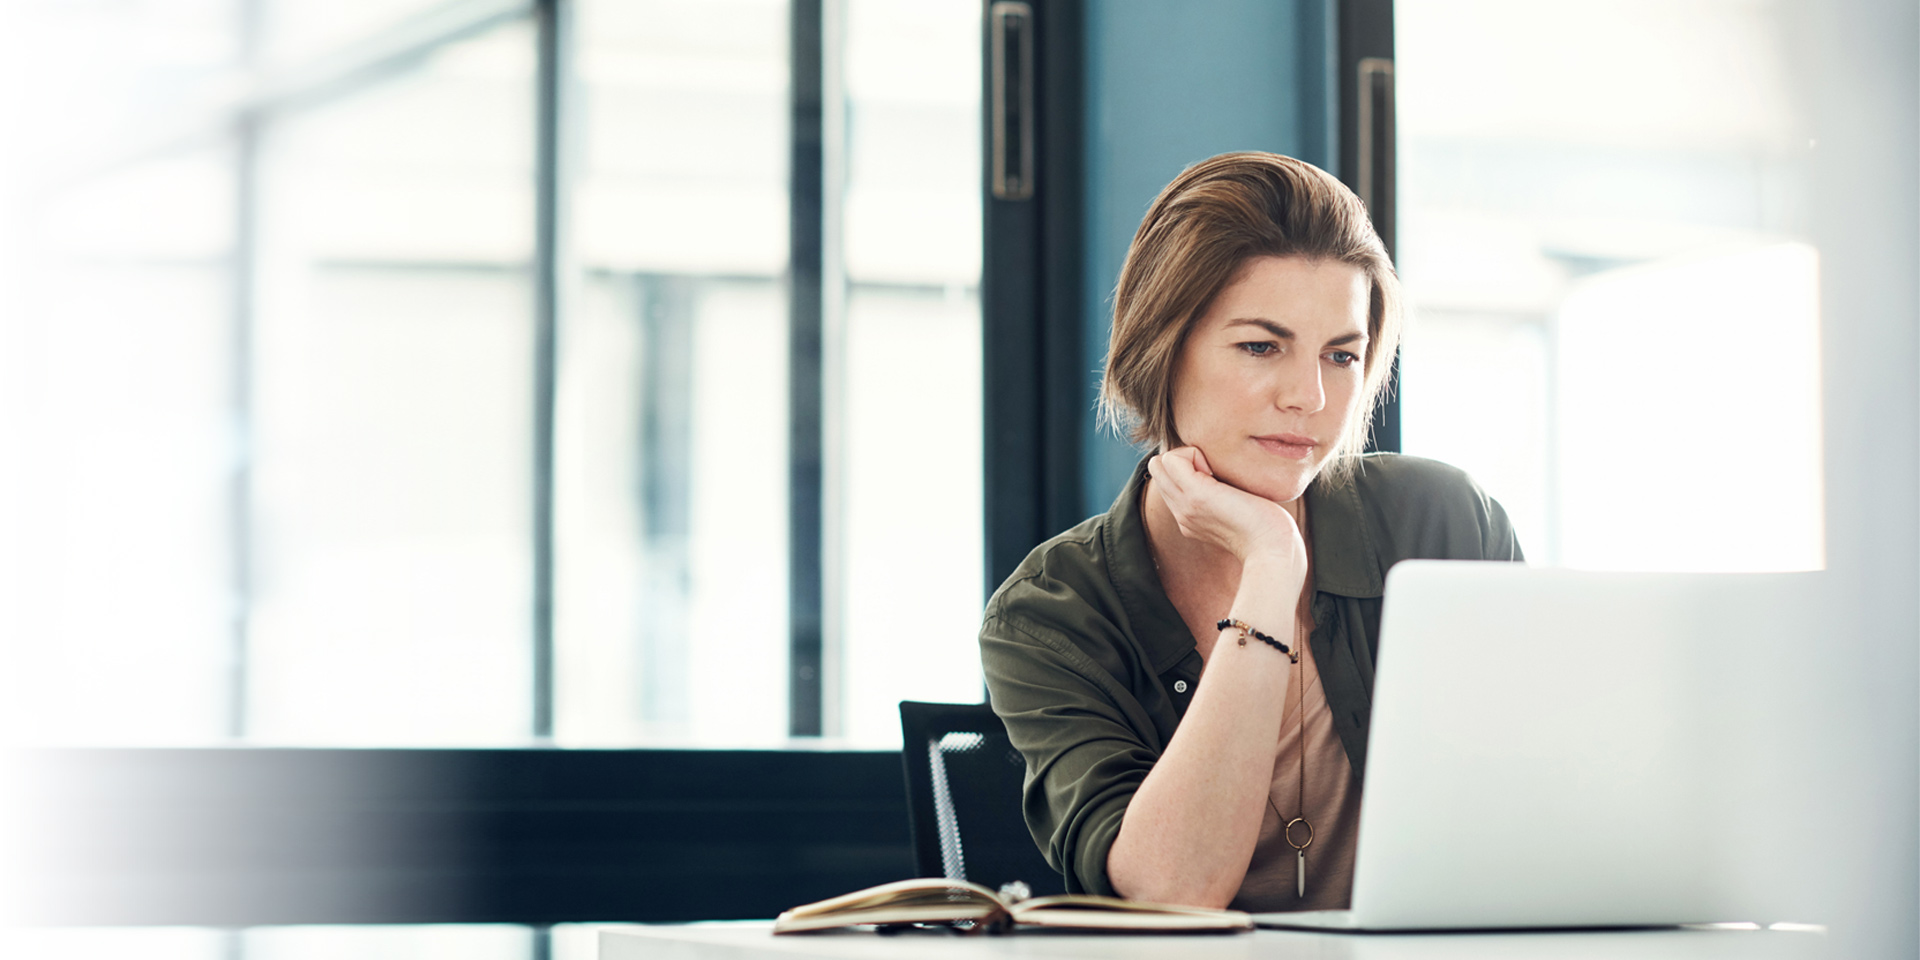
column 1143, row 882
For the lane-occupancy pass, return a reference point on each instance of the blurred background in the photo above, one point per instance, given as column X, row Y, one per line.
column 613, row 375
column 272, row 327
column 272, row 336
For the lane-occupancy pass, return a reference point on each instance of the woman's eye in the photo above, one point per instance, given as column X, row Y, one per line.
column 1343, row 358
column 1260, row 348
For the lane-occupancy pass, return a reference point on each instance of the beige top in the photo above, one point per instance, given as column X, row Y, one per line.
column 1332, row 807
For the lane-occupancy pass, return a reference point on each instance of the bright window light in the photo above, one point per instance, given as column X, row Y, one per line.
column 1688, row 415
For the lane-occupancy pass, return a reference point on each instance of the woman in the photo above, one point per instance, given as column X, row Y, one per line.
column 1188, row 675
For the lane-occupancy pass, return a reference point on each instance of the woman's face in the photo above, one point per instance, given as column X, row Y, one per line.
column 1272, row 374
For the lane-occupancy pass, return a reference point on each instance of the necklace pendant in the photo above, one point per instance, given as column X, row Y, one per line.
column 1302, row 874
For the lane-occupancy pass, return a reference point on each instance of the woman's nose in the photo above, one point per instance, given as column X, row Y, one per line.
column 1301, row 390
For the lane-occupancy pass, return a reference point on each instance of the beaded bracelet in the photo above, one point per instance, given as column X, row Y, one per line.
column 1246, row 629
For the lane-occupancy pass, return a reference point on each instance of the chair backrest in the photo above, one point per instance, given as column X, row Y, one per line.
column 963, row 798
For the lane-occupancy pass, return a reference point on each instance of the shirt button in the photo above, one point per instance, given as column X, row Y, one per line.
column 1179, row 686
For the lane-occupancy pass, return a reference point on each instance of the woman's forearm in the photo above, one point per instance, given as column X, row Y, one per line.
column 1190, row 830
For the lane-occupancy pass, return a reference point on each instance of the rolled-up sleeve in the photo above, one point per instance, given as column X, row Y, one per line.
column 1087, row 740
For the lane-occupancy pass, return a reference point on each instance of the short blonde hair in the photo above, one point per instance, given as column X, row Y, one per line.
column 1204, row 226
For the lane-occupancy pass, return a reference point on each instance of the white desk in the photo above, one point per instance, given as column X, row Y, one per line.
column 755, row 941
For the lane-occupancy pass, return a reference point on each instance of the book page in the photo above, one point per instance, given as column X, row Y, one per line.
column 895, row 913
column 1112, row 913
column 919, row 891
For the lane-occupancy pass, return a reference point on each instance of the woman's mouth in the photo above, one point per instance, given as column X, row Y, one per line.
column 1290, row 445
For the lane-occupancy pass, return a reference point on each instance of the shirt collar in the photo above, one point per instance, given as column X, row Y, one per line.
column 1344, row 561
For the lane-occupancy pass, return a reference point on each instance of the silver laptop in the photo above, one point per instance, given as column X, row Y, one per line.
column 1559, row 748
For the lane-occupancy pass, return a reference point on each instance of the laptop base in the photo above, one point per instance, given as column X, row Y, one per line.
column 1335, row 921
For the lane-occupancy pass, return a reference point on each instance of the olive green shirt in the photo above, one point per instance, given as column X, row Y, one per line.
column 1091, row 667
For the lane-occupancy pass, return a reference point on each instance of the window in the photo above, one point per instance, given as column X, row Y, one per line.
column 671, row 576
column 1608, row 274
column 387, row 518
column 115, row 399
column 910, row 502
column 282, row 369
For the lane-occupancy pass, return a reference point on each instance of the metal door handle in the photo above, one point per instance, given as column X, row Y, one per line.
column 1010, row 41
column 1375, row 162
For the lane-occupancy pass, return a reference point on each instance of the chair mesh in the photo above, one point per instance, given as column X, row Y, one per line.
column 977, row 779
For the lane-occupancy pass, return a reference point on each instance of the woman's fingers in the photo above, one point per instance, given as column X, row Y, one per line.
column 1185, row 490
column 1183, row 465
column 1175, row 469
column 1191, row 495
column 1206, row 508
column 1200, row 461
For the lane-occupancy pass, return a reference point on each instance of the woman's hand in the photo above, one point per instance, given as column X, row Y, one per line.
column 1244, row 524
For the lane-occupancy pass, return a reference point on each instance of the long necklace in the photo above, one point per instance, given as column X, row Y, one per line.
column 1300, row 698
column 1300, row 847
column 1301, row 821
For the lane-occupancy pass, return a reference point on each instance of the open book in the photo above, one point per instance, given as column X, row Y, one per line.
column 939, row 900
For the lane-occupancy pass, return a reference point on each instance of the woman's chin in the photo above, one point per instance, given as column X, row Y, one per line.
column 1281, row 485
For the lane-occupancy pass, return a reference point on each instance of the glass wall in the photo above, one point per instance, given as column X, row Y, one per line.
column 391, row 374
column 671, row 613
column 1614, row 314
column 273, row 357
column 910, row 406
column 118, row 382
column 296, row 33
column 116, row 315
column 671, row 602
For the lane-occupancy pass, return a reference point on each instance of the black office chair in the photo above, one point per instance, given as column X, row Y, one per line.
column 963, row 798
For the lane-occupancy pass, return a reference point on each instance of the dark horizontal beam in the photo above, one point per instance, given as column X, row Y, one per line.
column 249, row 837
